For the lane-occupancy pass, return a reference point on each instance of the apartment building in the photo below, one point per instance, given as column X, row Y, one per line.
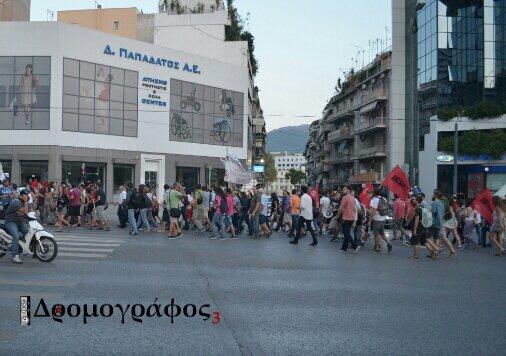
column 350, row 144
column 284, row 162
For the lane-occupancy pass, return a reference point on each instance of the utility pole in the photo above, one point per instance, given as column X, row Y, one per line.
column 455, row 156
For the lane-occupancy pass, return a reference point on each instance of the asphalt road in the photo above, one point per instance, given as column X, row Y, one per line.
column 273, row 298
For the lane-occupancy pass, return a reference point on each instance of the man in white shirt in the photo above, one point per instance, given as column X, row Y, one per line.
column 305, row 218
column 122, row 209
column 377, row 219
column 264, row 212
column 325, row 211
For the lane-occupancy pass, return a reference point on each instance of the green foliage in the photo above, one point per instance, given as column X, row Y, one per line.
column 295, row 176
column 482, row 110
column 270, row 169
column 474, row 143
column 236, row 32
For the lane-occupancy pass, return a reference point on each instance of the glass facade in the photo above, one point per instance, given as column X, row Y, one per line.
column 461, row 54
column 204, row 114
column 25, row 86
column 99, row 99
column 81, row 173
column 122, row 173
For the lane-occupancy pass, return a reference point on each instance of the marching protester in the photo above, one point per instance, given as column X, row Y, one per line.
column 497, row 226
column 348, row 213
column 377, row 217
column 305, row 218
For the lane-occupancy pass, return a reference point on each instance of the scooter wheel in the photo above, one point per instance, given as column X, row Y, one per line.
column 48, row 251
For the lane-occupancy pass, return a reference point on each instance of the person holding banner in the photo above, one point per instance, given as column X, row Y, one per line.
column 497, row 226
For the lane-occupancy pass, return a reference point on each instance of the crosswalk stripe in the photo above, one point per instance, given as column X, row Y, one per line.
column 65, row 243
column 86, row 255
column 84, row 249
column 39, row 282
column 87, row 239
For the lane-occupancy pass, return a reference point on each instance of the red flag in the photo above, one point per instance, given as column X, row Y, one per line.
column 398, row 183
column 364, row 196
column 484, row 205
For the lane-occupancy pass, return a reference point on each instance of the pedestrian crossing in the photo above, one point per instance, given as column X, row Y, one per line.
column 85, row 247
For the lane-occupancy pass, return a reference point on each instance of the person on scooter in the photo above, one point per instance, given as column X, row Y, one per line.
column 14, row 221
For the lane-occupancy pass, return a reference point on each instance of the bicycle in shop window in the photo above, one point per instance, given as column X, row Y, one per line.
column 226, row 105
column 221, row 132
column 191, row 101
column 179, row 127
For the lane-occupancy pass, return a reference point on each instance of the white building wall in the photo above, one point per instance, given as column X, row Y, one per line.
column 397, row 110
column 60, row 40
column 201, row 34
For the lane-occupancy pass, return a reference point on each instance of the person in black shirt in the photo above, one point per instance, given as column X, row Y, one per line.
column 100, row 206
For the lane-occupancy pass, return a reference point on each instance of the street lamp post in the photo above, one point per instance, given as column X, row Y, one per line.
column 456, row 152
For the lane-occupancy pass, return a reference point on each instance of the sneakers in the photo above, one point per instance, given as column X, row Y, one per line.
column 313, row 243
column 389, row 247
column 16, row 259
column 341, row 250
column 212, row 237
column 223, row 238
column 293, row 242
column 133, row 233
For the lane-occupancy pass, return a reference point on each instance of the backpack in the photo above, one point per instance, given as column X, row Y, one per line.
column 135, row 200
column 223, row 206
column 426, row 218
column 382, row 206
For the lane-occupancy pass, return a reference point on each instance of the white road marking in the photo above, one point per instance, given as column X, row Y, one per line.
column 85, row 249
column 65, row 243
column 86, row 255
column 38, row 282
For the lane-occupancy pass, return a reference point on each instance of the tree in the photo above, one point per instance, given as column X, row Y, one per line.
column 236, row 32
column 270, row 174
column 295, row 176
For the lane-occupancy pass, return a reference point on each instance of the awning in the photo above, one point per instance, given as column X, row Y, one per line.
column 369, row 107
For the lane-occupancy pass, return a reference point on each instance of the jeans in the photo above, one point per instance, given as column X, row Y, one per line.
column 13, row 230
column 346, row 226
column 255, row 224
column 481, row 239
column 245, row 217
column 356, row 234
column 218, row 222
column 295, row 221
column 122, row 215
column 144, row 219
column 132, row 221
column 301, row 222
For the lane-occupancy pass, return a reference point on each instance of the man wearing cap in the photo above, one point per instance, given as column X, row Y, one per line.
column 14, row 215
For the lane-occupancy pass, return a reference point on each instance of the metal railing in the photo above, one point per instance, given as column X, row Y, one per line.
column 380, row 150
column 371, row 123
column 340, row 134
column 377, row 94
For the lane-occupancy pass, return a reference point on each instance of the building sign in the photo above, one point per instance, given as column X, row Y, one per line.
column 258, row 169
column 155, row 91
column 163, row 62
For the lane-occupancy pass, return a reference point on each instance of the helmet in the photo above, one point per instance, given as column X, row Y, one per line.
column 25, row 191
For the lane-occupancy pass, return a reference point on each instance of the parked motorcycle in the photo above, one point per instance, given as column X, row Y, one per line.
column 36, row 242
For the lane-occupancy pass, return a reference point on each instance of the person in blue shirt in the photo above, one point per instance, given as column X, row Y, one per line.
column 437, row 231
column 14, row 221
column 6, row 192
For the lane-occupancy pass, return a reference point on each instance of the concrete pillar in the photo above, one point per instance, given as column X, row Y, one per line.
column 202, row 175
column 54, row 168
column 16, row 169
column 109, row 180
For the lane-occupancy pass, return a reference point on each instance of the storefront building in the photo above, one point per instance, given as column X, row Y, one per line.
column 80, row 105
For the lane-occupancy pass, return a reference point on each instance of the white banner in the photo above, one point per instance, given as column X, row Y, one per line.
column 235, row 172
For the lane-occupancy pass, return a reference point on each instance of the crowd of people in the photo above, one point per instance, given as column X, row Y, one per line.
column 434, row 224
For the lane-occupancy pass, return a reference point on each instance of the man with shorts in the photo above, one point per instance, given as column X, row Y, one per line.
column 100, row 203
column 198, row 210
column 377, row 218
column 437, row 230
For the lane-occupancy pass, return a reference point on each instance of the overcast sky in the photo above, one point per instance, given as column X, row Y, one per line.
column 302, row 46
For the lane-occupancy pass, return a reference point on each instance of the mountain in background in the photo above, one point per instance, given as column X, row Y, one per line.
column 290, row 138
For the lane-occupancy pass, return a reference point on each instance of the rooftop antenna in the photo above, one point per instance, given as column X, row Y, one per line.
column 386, row 36
column 49, row 15
column 97, row 5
